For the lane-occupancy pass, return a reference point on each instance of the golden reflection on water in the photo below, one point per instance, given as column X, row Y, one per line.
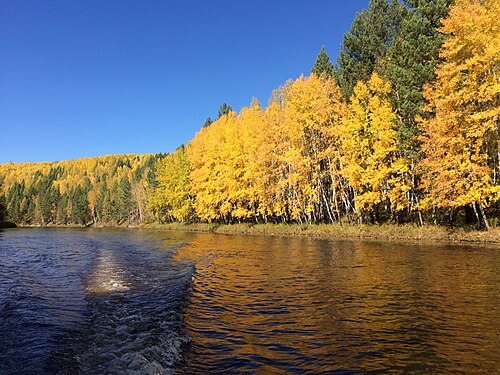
column 299, row 304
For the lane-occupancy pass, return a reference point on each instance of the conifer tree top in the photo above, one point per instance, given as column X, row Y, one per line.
column 323, row 64
column 224, row 109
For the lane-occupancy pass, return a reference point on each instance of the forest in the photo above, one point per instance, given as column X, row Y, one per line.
column 109, row 190
column 404, row 127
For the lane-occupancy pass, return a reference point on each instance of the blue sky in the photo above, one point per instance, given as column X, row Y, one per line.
column 95, row 77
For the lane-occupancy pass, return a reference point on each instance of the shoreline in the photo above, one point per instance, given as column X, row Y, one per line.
column 385, row 232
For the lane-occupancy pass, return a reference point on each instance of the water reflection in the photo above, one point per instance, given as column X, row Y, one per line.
column 107, row 276
column 144, row 302
column 304, row 305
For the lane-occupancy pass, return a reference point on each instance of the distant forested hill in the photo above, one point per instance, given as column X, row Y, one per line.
column 108, row 189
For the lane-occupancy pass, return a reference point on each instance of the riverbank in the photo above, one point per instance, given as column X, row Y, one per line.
column 6, row 225
column 385, row 232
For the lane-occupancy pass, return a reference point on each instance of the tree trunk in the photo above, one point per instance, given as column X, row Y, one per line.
column 483, row 215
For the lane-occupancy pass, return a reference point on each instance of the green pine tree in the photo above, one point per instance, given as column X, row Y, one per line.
column 367, row 42
column 323, row 65
column 13, row 202
column 124, row 199
column 99, row 206
column 29, row 203
column 2, row 205
column 224, row 110
column 208, row 122
column 80, row 212
column 62, row 210
column 106, row 210
column 410, row 63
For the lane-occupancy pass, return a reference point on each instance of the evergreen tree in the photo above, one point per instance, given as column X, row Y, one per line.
column 100, row 203
column 46, row 199
column 29, row 202
column 124, row 199
column 2, row 205
column 367, row 42
column 62, row 210
column 107, row 209
column 410, row 63
column 323, row 65
column 2, row 208
column 208, row 122
column 13, row 203
column 113, row 206
column 224, row 109
column 80, row 212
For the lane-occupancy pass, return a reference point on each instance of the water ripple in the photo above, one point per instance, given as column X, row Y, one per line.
column 90, row 302
column 289, row 305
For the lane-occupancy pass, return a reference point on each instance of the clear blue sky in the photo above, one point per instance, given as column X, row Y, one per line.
column 94, row 77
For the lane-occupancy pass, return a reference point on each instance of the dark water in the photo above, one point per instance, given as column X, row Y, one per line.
column 143, row 302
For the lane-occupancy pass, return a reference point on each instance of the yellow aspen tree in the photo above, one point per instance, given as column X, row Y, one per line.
column 300, row 174
column 92, row 199
column 171, row 200
column 225, row 167
column 249, row 172
column 369, row 149
column 202, row 171
column 140, row 199
column 292, row 158
column 230, row 167
column 310, row 115
column 333, row 110
column 270, row 189
column 210, row 176
column 460, row 137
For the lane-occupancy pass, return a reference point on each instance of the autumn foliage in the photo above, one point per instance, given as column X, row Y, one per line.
column 109, row 189
column 314, row 156
column 461, row 134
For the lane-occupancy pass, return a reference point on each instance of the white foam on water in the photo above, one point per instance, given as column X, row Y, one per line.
column 107, row 276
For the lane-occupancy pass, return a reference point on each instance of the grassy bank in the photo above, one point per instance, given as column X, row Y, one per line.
column 385, row 232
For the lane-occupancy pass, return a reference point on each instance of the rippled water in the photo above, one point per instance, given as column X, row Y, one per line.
column 143, row 302
column 90, row 302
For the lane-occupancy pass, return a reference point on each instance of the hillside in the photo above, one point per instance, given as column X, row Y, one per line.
column 109, row 189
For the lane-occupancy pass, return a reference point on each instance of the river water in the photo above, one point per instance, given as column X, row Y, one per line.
column 76, row 301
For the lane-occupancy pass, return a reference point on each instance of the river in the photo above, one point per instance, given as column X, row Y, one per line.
column 96, row 301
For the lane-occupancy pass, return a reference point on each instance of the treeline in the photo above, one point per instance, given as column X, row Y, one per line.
column 2, row 207
column 404, row 128
column 101, row 190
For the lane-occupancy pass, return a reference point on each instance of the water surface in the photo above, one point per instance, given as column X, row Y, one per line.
column 91, row 302
column 298, row 305
column 145, row 302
